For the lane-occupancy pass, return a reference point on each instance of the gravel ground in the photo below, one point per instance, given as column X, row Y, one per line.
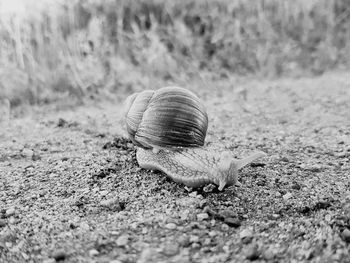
column 71, row 189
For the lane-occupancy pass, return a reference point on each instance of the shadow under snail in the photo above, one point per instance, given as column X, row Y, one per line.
column 169, row 126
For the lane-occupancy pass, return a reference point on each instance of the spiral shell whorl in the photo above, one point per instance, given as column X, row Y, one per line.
column 166, row 118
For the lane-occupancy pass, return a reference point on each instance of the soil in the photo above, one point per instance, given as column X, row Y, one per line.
column 71, row 189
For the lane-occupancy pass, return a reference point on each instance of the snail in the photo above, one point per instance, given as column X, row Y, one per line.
column 169, row 126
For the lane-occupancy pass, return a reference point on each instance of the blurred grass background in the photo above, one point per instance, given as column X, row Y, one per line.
column 54, row 50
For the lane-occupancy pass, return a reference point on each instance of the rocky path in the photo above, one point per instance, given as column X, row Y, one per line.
column 71, row 190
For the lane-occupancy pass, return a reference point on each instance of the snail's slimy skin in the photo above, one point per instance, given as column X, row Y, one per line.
column 195, row 167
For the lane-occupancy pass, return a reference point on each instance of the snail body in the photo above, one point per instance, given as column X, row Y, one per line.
column 169, row 126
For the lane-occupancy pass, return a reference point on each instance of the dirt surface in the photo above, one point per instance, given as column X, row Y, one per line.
column 71, row 189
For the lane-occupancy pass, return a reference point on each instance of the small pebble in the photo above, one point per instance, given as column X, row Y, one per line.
column 61, row 122
column 275, row 216
column 112, row 204
column 227, row 213
column 10, row 211
column 59, row 255
column 308, row 254
column 207, row 241
column 84, row 226
column 296, row 186
column 171, row 226
column 146, row 255
column 246, row 235
column 27, row 153
column 36, row 157
column 170, row 249
column 8, row 244
column 194, row 239
column 193, row 194
column 287, row 196
column 187, row 201
column 342, row 154
column 184, row 241
column 93, row 252
column 104, row 193
column 184, row 214
column 209, row 188
column 232, row 222
column 202, row 203
column 213, row 233
column 122, row 241
column 346, row 235
column 314, row 168
column 2, row 223
column 225, row 227
column 252, row 252
column 12, row 220
column 202, row 216
column 285, row 159
column 269, row 254
column 328, row 217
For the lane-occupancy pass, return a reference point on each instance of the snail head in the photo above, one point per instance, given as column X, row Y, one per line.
column 228, row 167
column 227, row 171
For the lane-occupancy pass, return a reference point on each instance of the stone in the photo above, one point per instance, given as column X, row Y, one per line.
column 269, row 254
column 171, row 226
column 59, row 255
column 225, row 227
column 93, row 252
column 314, row 168
column 184, row 241
column 246, row 235
column 252, row 252
column 233, row 222
column 146, row 255
column 104, row 193
column 213, row 233
column 112, row 204
column 346, row 235
column 122, row 241
column 296, row 186
column 194, row 239
column 287, row 196
column 36, row 157
column 202, row 216
column 84, row 226
column 28, row 153
column 10, row 211
column 170, row 249
column 328, row 218
column 2, row 223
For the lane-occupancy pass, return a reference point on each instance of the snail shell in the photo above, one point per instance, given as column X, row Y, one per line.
column 166, row 118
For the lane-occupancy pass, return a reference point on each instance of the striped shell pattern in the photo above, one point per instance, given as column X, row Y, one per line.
column 166, row 118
